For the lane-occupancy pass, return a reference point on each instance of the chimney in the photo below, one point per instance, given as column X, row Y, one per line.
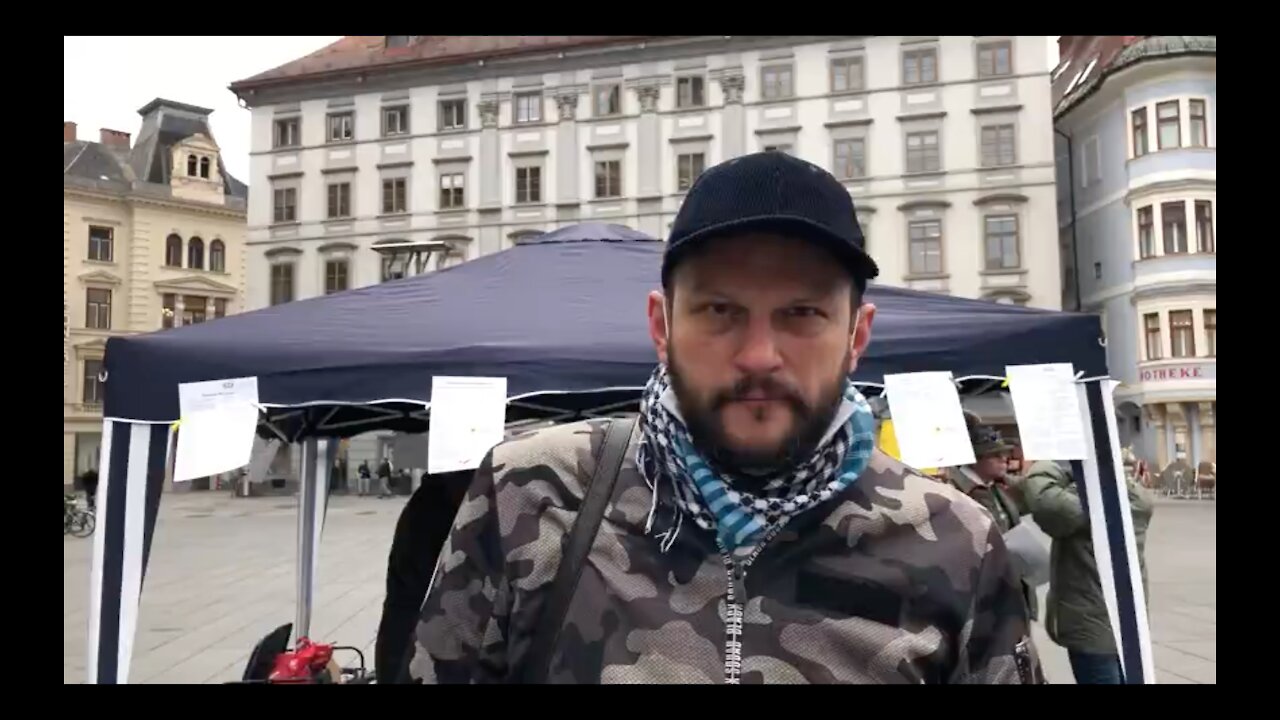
column 68, row 132
column 114, row 139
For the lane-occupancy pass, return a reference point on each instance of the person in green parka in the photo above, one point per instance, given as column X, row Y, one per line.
column 1077, row 613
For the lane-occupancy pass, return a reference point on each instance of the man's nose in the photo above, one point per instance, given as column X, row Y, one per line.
column 758, row 351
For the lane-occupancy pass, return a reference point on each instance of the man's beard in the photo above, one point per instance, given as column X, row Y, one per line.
column 706, row 429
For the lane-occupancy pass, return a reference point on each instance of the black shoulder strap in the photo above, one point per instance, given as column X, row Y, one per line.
column 537, row 666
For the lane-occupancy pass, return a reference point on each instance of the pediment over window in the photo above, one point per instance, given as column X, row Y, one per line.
column 1001, row 198
column 195, row 284
column 91, row 347
column 100, row 277
column 1008, row 296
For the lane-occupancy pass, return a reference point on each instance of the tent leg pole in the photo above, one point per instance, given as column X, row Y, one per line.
column 1114, row 544
column 311, row 503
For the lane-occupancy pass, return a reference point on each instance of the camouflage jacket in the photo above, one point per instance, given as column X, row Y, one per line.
column 899, row 579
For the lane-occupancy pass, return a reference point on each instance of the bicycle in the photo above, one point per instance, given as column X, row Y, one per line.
column 75, row 521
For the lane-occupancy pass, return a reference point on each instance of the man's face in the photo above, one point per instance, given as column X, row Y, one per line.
column 758, row 338
column 992, row 467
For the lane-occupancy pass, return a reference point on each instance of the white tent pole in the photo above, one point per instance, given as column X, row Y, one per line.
column 312, row 500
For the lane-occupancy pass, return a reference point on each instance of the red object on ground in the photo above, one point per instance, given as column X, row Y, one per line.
column 302, row 664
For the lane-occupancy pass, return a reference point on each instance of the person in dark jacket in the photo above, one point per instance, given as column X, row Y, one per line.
column 420, row 534
column 384, row 478
column 89, row 481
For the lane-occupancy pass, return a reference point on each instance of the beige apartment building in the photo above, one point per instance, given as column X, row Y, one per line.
column 153, row 237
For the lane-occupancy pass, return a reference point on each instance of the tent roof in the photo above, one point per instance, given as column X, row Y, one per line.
column 561, row 315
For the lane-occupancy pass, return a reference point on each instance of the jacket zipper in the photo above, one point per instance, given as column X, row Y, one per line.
column 735, row 610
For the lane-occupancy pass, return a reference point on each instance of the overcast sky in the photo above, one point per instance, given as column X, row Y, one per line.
column 106, row 79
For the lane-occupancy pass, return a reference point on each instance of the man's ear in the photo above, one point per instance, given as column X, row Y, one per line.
column 659, row 332
column 860, row 337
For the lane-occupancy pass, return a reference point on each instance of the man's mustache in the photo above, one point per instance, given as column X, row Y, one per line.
column 766, row 388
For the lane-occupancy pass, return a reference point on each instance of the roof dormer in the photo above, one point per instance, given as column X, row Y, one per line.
column 195, row 173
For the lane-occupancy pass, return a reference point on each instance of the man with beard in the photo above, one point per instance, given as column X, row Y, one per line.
column 752, row 533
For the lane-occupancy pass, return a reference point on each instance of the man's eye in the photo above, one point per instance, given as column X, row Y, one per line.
column 720, row 308
column 804, row 312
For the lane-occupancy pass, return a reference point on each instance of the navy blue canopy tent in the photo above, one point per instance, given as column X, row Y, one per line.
column 562, row 317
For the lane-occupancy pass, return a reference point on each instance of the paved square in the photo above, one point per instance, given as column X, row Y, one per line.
column 222, row 575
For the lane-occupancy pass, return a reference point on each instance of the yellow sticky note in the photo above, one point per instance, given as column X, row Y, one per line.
column 1005, row 384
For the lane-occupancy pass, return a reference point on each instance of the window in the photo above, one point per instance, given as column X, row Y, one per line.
column 1090, row 162
column 1204, row 227
column 451, row 191
column 1002, row 242
column 926, row 247
column 920, row 67
column 281, row 283
column 608, row 100
column 1174, row 217
column 93, row 394
column 97, row 310
column 1199, row 128
column 691, row 91
column 1146, row 233
column 1151, row 330
column 846, row 74
column 775, row 82
column 100, row 243
column 609, row 178
column 528, row 184
column 285, row 205
column 528, row 107
column 394, row 198
column 688, row 167
column 1168, row 126
column 195, row 254
column 453, row 114
column 999, row 146
column 286, row 133
column 777, row 148
column 399, row 41
column 339, row 200
column 194, row 309
column 1097, row 271
column 168, row 310
column 219, row 307
column 173, row 251
column 1211, row 332
column 204, row 168
column 217, row 256
column 395, row 120
column 1182, row 331
column 191, row 166
column 1140, row 132
column 341, row 127
column 995, row 59
column 335, row 276
column 850, row 159
column 922, row 152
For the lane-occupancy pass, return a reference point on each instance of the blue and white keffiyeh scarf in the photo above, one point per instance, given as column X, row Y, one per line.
column 719, row 503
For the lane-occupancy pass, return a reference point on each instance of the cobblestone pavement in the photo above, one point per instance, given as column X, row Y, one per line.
column 222, row 575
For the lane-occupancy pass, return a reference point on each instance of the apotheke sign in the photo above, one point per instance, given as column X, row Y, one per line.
column 1175, row 373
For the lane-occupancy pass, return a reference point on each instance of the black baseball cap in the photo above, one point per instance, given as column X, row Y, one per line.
column 771, row 192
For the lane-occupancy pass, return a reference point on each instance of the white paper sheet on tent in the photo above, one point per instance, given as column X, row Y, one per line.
column 219, row 419
column 1047, row 407
column 468, row 416
column 927, row 420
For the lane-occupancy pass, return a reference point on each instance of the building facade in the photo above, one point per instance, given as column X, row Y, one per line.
column 379, row 157
column 153, row 236
column 1140, row 167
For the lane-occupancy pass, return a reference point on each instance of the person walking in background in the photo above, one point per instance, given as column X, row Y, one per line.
column 384, row 478
column 89, row 481
column 363, row 478
column 1077, row 612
